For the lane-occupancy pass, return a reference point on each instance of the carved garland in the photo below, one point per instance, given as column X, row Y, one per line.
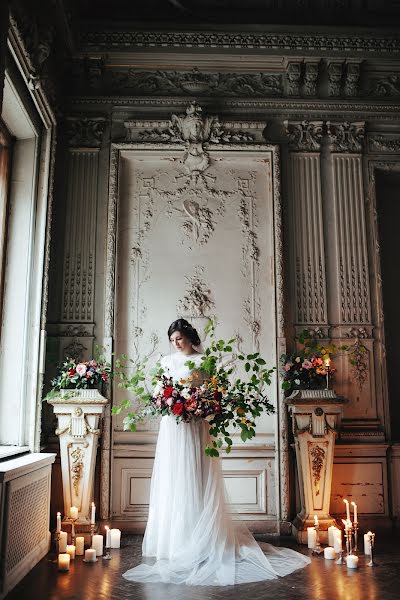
column 318, row 458
column 77, row 468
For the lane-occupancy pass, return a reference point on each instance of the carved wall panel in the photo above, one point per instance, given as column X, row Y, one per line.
column 80, row 237
column 194, row 243
column 309, row 260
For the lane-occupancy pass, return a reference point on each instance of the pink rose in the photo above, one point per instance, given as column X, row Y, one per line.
column 158, row 402
column 191, row 404
column 307, row 364
column 170, row 401
column 288, row 366
column 81, row 369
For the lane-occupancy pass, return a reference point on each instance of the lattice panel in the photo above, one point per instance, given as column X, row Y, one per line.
column 27, row 520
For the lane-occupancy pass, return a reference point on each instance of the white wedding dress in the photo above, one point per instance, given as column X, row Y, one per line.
column 190, row 536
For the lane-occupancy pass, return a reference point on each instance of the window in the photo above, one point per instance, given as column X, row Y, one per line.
column 5, row 160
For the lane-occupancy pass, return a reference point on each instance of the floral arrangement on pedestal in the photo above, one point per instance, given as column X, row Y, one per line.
column 88, row 374
column 310, row 366
column 213, row 392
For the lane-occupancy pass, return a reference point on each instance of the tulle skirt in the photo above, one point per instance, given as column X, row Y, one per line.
column 190, row 536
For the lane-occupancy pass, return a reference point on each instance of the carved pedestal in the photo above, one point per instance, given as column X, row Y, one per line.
column 78, row 413
column 316, row 416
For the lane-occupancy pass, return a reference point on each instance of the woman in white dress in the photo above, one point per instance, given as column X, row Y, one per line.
column 190, row 536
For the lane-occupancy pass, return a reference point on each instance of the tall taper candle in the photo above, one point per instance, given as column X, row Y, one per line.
column 58, row 522
column 354, row 505
column 93, row 514
column 347, row 509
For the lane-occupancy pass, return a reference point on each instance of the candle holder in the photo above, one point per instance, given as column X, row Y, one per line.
column 355, row 529
column 318, row 548
column 327, row 367
column 107, row 555
column 371, row 539
column 92, row 530
column 73, row 536
column 348, row 535
column 340, row 560
column 57, row 547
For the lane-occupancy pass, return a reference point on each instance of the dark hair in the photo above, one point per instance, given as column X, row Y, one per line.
column 186, row 329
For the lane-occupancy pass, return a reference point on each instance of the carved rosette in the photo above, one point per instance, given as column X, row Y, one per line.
column 304, row 136
column 346, row 137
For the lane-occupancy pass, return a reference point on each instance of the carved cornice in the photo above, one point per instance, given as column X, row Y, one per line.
column 85, row 131
column 346, row 137
column 371, row 42
column 381, row 143
column 304, row 135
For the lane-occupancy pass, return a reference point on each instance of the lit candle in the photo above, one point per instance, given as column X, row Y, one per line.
column 367, row 543
column 354, row 505
column 108, row 537
column 93, row 514
column 80, row 546
column 331, row 534
column 71, row 551
column 63, row 562
column 329, row 553
column 352, row 561
column 90, row 555
column 337, row 541
column 97, row 544
column 63, row 542
column 327, row 362
column 347, row 509
column 115, row 538
column 58, row 522
column 73, row 512
column 311, row 537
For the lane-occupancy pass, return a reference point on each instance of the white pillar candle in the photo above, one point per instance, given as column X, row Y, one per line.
column 97, row 544
column 93, row 514
column 63, row 562
column 367, row 543
column 73, row 512
column 115, row 538
column 347, row 509
column 80, row 546
column 337, row 541
column 90, row 555
column 63, row 542
column 108, row 536
column 315, row 520
column 58, row 522
column 354, row 505
column 71, row 551
column 311, row 537
column 352, row 561
column 331, row 535
column 329, row 553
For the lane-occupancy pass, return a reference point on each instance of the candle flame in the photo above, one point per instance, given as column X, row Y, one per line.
column 353, row 504
column 345, row 500
column 106, row 527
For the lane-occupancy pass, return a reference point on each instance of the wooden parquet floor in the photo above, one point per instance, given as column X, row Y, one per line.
column 322, row 580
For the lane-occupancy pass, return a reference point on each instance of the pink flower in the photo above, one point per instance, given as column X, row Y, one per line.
column 170, row 401
column 81, row 369
column 288, row 366
column 307, row 364
column 158, row 402
column 191, row 404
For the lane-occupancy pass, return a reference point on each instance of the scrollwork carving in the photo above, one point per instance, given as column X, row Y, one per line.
column 335, row 71
column 85, row 131
column 385, row 87
column 304, row 135
column 351, row 80
column 346, row 137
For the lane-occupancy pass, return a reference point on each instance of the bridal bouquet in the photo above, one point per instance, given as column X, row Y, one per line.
column 213, row 392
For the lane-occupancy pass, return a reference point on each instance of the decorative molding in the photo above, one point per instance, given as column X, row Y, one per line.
column 385, row 87
column 317, row 462
column 353, row 271
column 382, row 143
column 75, row 350
column 285, row 40
column 77, row 455
column 351, row 80
column 309, row 259
column 358, row 332
column 85, row 132
column 197, row 300
column 335, row 73
column 310, row 79
column 304, row 136
column 196, row 83
column 346, row 137
column 293, row 76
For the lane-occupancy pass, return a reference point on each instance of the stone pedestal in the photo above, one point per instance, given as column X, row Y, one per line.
column 316, row 417
column 78, row 413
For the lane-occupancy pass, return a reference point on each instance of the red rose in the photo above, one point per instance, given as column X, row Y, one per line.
column 71, row 372
column 178, row 408
column 168, row 392
column 217, row 395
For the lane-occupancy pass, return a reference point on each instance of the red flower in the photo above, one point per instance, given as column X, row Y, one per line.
column 178, row 408
column 168, row 392
column 104, row 377
column 71, row 372
column 217, row 395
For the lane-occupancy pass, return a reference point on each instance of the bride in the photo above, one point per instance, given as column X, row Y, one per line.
column 190, row 536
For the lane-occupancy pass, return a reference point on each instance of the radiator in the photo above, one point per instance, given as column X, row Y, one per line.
column 24, row 518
